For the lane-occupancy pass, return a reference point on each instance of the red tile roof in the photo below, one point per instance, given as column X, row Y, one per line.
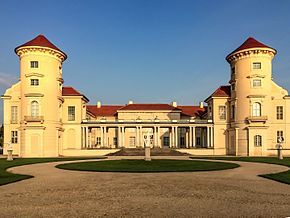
column 42, row 41
column 152, row 107
column 104, row 110
column 250, row 43
column 222, row 91
column 192, row 111
column 70, row 91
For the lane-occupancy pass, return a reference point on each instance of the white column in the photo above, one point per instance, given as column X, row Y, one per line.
column 193, row 137
column 158, row 137
column 82, row 135
column 190, row 137
column 207, row 137
column 186, row 138
column 211, row 138
column 171, row 133
column 90, row 139
column 176, row 137
column 137, row 136
column 123, row 136
column 155, row 136
column 102, row 136
column 87, row 136
column 119, row 137
column 105, row 136
column 141, row 137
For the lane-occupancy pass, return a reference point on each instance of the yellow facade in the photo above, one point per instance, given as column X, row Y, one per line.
column 44, row 119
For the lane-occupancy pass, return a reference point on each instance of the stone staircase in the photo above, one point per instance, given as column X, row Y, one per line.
column 141, row 152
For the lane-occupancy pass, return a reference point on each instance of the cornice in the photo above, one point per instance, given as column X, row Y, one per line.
column 248, row 52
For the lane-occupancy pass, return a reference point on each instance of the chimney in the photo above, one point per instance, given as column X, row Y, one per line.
column 174, row 104
column 130, row 102
column 201, row 104
column 99, row 104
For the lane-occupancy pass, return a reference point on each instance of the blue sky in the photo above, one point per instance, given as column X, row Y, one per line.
column 145, row 50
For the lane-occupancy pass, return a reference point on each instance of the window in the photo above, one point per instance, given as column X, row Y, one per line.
column 222, row 112
column 115, row 141
column 166, row 141
column 279, row 110
column 280, row 135
column 98, row 141
column 182, row 141
column 233, row 112
column 71, row 113
column 34, row 109
column 34, row 64
column 209, row 112
column 233, row 70
column 14, row 137
column 13, row 114
column 34, row 82
column 257, row 83
column 257, row 65
column 256, row 109
column 258, row 140
column 132, row 141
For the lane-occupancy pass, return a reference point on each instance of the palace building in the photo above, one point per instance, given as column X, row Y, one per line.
column 43, row 118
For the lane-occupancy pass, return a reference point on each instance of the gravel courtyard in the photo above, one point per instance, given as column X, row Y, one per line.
column 228, row 193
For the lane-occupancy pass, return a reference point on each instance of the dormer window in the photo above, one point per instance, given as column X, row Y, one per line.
column 257, row 65
column 34, row 64
column 34, row 82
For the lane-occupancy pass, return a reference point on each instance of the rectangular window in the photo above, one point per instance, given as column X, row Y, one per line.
column 14, row 137
column 182, row 141
column 71, row 113
column 222, row 112
column 280, row 136
column 257, row 65
column 34, row 82
column 257, row 83
column 233, row 112
column 279, row 110
column 34, row 64
column 258, row 140
column 166, row 141
column 98, row 141
column 115, row 141
column 13, row 114
column 132, row 141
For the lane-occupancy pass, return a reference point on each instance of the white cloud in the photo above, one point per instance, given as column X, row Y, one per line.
column 6, row 80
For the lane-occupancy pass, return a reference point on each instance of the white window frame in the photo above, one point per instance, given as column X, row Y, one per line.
column 34, row 82
column 258, row 141
column 132, row 141
column 257, row 109
column 257, row 65
column 34, row 108
column 222, row 112
column 14, row 114
column 98, row 141
column 14, row 137
column 71, row 114
column 280, row 133
column 257, row 83
column 34, row 64
column 279, row 112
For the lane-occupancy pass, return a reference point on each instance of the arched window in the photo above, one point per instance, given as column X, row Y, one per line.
column 258, row 140
column 34, row 109
column 257, row 109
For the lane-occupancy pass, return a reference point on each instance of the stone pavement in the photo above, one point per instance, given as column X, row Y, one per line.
column 227, row 193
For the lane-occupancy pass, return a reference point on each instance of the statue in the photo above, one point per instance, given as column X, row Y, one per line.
column 147, row 146
column 280, row 147
column 9, row 151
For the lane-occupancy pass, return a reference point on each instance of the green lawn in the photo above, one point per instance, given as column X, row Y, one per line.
column 142, row 166
column 6, row 177
column 283, row 177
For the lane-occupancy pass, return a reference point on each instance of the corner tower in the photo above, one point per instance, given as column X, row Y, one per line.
column 41, row 97
column 252, row 92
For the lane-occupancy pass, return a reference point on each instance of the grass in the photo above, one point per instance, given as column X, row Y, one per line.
column 283, row 177
column 142, row 166
column 7, row 177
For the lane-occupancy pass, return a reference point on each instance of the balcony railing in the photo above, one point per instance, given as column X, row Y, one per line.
column 257, row 119
column 33, row 118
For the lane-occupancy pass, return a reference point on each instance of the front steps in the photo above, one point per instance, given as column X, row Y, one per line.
column 141, row 152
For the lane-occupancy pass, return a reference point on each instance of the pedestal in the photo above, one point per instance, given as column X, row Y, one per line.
column 147, row 154
column 280, row 155
column 9, row 156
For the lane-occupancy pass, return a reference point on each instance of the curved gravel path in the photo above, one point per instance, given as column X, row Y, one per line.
column 228, row 193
